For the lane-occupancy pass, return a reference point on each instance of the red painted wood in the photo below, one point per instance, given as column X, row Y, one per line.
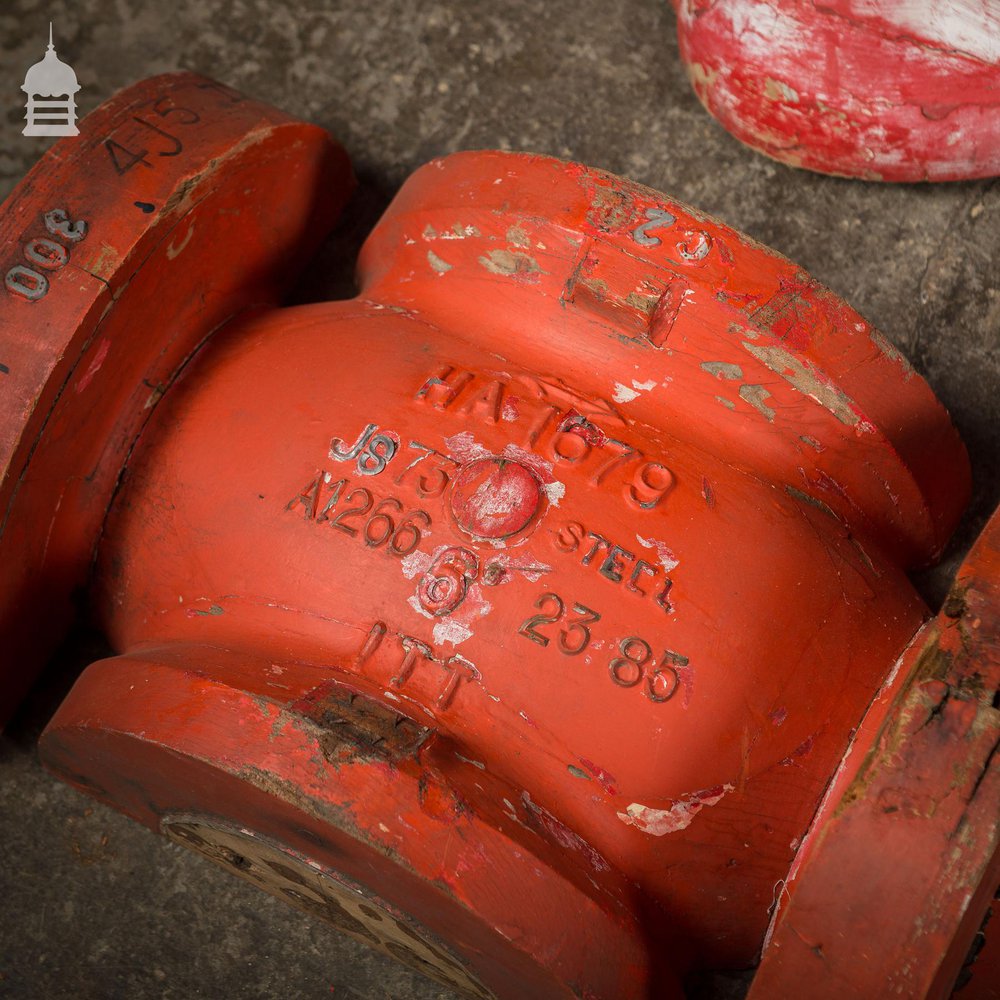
column 873, row 89
column 608, row 502
column 218, row 215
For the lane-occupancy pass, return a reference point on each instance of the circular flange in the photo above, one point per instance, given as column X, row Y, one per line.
column 321, row 776
column 181, row 203
column 322, row 893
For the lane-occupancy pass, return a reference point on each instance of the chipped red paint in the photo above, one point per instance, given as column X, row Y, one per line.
column 895, row 877
column 495, row 498
column 678, row 816
column 160, row 254
column 577, row 423
column 862, row 88
column 331, row 638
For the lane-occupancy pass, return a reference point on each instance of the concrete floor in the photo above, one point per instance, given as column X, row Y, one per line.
column 94, row 906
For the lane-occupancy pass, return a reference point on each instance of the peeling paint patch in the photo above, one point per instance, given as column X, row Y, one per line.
column 414, row 602
column 215, row 609
column 893, row 353
column 810, row 382
column 638, row 300
column 659, row 822
column 510, row 263
column 463, row 447
column 802, row 750
column 775, row 90
column 702, row 78
column 755, row 396
column 439, row 265
column 449, row 630
column 727, row 403
column 174, row 250
column 576, row 423
column 623, row 394
column 666, row 556
column 811, row 500
column 415, row 563
column 577, row 772
column 460, row 232
column 722, row 369
column 105, row 263
column 153, row 398
column 685, row 674
column 707, row 492
column 537, row 464
column 517, row 237
column 555, row 491
column 457, row 232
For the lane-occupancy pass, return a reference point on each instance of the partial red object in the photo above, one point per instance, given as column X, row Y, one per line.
column 979, row 977
column 515, row 615
column 891, row 886
column 873, row 89
column 180, row 204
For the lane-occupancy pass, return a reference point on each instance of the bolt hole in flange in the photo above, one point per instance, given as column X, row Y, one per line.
column 348, row 907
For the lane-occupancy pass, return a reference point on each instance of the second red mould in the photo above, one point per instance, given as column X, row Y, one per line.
column 863, row 88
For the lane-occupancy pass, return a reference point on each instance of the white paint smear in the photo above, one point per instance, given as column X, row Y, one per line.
column 623, row 394
column 415, row 563
column 663, row 551
column 464, row 448
column 414, row 603
column 451, row 631
column 659, row 822
column 555, row 491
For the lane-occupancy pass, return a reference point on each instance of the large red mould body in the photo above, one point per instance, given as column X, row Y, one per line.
column 876, row 90
column 643, row 682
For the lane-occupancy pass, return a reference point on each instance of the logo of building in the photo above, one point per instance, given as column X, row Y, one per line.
column 50, row 86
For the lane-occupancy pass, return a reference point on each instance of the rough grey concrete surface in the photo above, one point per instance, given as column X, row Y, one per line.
column 94, row 906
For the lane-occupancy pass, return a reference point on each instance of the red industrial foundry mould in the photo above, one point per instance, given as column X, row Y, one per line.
column 878, row 89
column 520, row 615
